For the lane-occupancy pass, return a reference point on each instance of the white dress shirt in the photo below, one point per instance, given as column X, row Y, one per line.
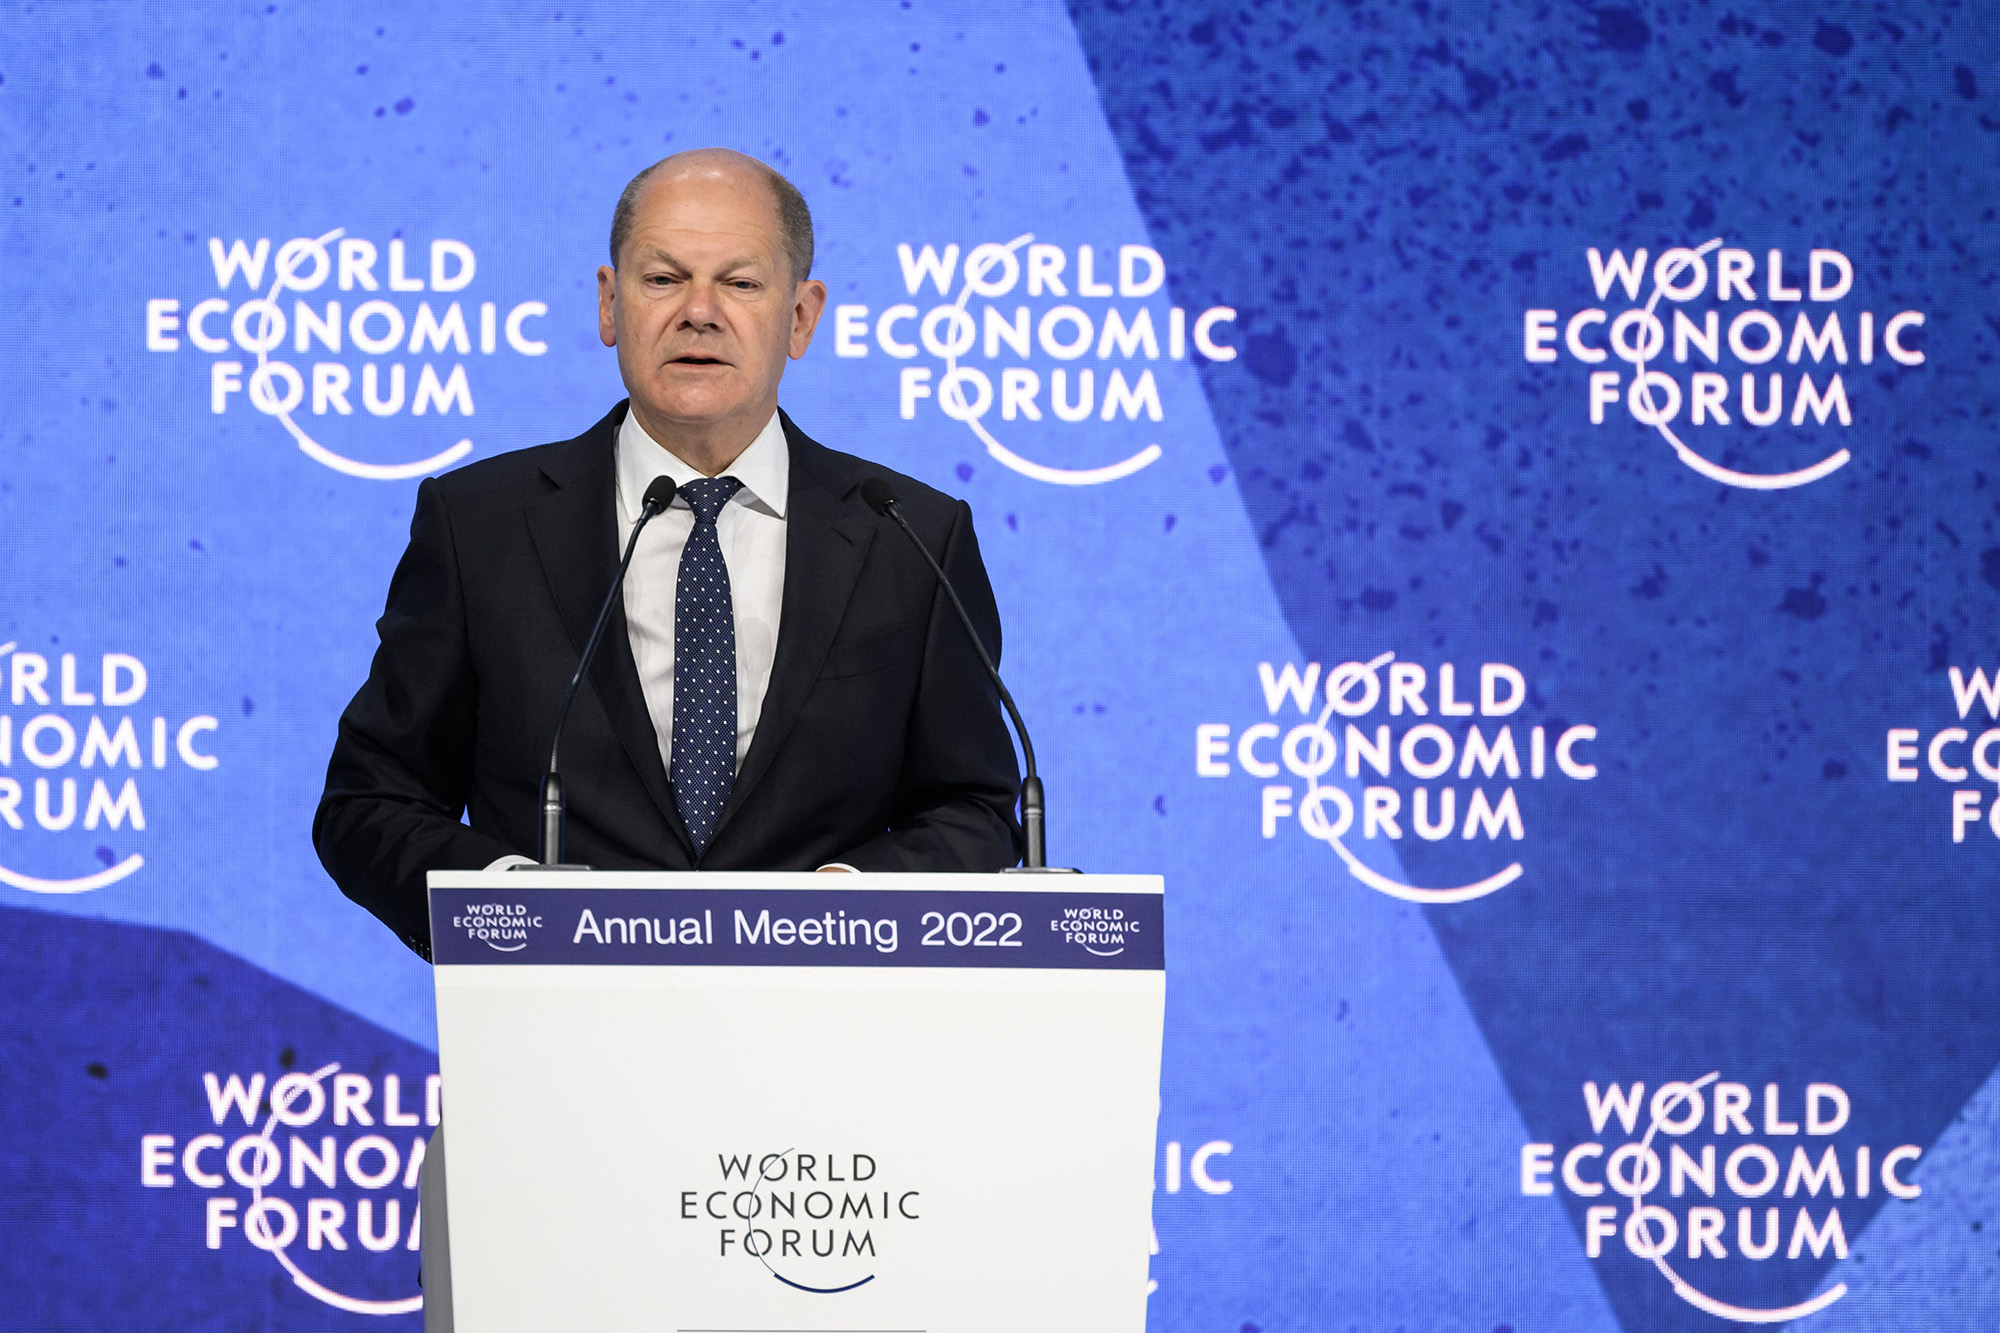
column 751, row 530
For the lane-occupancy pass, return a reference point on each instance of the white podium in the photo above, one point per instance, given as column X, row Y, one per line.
column 716, row 1103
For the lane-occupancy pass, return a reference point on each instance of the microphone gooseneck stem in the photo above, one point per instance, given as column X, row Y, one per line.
column 552, row 818
column 1033, row 824
column 553, row 807
column 1033, row 815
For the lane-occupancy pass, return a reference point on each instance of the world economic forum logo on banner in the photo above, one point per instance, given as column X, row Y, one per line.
column 387, row 334
column 1744, row 342
column 319, row 1170
column 1724, row 1185
column 1045, row 353
column 1438, row 754
column 1955, row 753
column 79, row 759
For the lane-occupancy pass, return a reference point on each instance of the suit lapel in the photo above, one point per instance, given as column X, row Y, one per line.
column 575, row 531
column 825, row 546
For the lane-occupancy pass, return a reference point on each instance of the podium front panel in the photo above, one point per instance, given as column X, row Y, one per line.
column 717, row 1103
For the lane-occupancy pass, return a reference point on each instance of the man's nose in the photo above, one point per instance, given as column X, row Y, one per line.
column 700, row 309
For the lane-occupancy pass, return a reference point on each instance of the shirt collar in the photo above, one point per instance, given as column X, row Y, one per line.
column 765, row 468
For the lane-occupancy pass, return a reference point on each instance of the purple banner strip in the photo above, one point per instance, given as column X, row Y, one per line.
column 797, row 928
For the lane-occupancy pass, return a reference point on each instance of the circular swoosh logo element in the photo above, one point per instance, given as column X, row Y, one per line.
column 317, row 1290
column 319, row 453
column 82, row 884
column 1055, row 476
column 758, row 1255
column 1686, row 1290
column 822, row 1291
column 1749, row 481
column 1315, row 823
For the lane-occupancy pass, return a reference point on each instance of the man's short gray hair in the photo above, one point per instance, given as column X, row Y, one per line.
column 795, row 224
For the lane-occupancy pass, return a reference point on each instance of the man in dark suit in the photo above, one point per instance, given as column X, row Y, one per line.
column 785, row 686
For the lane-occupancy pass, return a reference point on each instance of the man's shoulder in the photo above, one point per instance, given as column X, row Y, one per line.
column 524, row 473
column 842, row 473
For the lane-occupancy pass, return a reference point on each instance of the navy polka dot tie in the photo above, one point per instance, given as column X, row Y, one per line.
column 704, row 746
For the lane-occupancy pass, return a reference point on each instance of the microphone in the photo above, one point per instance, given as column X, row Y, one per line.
column 880, row 496
column 658, row 496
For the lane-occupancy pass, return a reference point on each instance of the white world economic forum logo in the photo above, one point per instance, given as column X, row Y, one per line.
column 1044, row 344
column 1452, row 772
column 1654, row 397
column 327, row 389
column 76, row 729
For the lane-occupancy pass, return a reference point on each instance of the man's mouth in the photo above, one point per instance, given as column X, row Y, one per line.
column 696, row 359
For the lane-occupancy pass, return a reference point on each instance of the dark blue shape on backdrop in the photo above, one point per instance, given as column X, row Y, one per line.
column 1385, row 189
column 110, row 1030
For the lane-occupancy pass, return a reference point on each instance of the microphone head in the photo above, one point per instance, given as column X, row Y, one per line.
column 878, row 494
column 660, row 494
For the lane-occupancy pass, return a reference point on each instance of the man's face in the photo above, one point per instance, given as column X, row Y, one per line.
column 702, row 307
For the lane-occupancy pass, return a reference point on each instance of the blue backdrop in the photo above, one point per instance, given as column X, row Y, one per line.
column 1491, row 500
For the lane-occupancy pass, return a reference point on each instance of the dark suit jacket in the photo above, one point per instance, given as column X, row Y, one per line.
column 880, row 744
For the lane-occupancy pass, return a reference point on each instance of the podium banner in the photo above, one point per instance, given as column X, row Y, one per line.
column 795, row 1101
column 818, row 927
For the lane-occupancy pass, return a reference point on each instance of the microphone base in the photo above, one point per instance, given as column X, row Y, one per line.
column 1025, row 870
column 565, row 865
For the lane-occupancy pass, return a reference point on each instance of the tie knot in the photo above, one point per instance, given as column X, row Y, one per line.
column 707, row 496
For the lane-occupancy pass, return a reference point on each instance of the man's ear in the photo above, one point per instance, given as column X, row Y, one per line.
column 607, row 290
column 808, row 304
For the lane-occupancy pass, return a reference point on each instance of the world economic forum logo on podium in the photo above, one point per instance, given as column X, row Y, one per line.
column 501, row 926
column 813, row 1220
column 1102, row 931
